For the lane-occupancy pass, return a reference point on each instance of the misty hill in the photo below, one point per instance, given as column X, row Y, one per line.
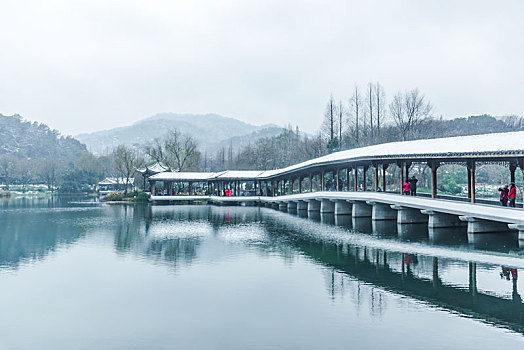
column 210, row 130
column 34, row 140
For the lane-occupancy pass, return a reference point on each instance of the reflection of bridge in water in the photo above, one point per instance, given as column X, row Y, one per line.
column 175, row 234
column 394, row 271
column 343, row 183
column 417, row 276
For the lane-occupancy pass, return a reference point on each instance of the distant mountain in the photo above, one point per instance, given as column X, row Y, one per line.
column 34, row 140
column 210, row 130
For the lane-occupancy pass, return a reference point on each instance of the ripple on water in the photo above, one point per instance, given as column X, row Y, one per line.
column 244, row 234
column 180, row 229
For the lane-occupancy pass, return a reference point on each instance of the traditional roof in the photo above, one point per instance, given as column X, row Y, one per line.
column 238, row 175
column 183, row 176
column 154, row 168
column 496, row 146
column 115, row 181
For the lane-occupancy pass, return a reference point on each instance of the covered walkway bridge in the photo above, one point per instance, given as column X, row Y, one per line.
column 349, row 177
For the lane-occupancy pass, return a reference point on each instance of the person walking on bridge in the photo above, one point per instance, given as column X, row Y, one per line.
column 406, row 188
column 504, row 191
column 512, row 195
column 413, row 185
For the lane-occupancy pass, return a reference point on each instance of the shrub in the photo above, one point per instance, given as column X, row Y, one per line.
column 142, row 197
column 114, row 196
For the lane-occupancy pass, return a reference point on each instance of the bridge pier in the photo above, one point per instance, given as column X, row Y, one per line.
column 302, row 205
column 406, row 215
column 382, row 211
column 384, row 228
column 441, row 220
column 291, row 206
column 313, row 205
column 520, row 228
column 327, row 206
column 484, row 231
column 343, row 220
column 342, row 207
column 361, row 210
column 282, row 206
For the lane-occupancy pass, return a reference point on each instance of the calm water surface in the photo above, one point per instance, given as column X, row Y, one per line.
column 81, row 275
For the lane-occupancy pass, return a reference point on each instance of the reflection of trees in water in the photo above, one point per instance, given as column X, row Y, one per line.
column 28, row 234
column 133, row 232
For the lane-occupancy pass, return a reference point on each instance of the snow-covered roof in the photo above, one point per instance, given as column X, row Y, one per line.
column 497, row 144
column 235, row 174
column 115, row 181
column 183, row 176
column 487, row 145
column 154, row 168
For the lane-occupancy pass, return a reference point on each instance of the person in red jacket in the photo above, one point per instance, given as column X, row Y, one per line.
column 512, row 196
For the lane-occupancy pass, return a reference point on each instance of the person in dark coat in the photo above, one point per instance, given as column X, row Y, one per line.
column 504, row 191
column 413, row 183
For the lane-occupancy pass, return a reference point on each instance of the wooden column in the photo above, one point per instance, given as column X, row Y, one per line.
column 384, row 167
column 290, row 186
column 401, row 166
column 347, row 178
column 433, row 166
column 310, row 182
column 355, row 169
column 190, row 188
column 376, row 177
column 521, row 166
column 408, row 165
column 471, row 183
column 322, row 180
column 338, row 186
column 153, row 188
column 364, row 185
column 299, row 184
column 512, row 168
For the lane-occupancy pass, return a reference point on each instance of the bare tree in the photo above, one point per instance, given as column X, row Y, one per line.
column 177, row 151
column 355, row 104
column 408, row 110
column 181, row 151
column 48, row 172
column 24, row 172
column 341, row 113
column 155, row 151
column 127, row 160
column 379, row 106
column 370, row 102
column 329, row 123
column 7, row 168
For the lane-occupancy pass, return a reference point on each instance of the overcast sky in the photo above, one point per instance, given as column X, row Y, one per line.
column 82, row 66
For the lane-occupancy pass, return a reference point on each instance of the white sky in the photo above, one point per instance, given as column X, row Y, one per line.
column 81, row 66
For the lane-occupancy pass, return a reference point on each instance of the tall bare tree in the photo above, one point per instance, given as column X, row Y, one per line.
column 126, row 161
column 329, row 124
column 370, row 102
column 177, row 151
column 408, row 110
column 7, row 168
column 47, row 169
column 380, row 103
column 355, row 104
column 341, row 113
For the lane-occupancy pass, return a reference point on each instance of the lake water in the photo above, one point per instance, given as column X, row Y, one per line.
column 76, row 274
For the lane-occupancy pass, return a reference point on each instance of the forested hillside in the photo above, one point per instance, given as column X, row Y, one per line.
column 34, row 140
